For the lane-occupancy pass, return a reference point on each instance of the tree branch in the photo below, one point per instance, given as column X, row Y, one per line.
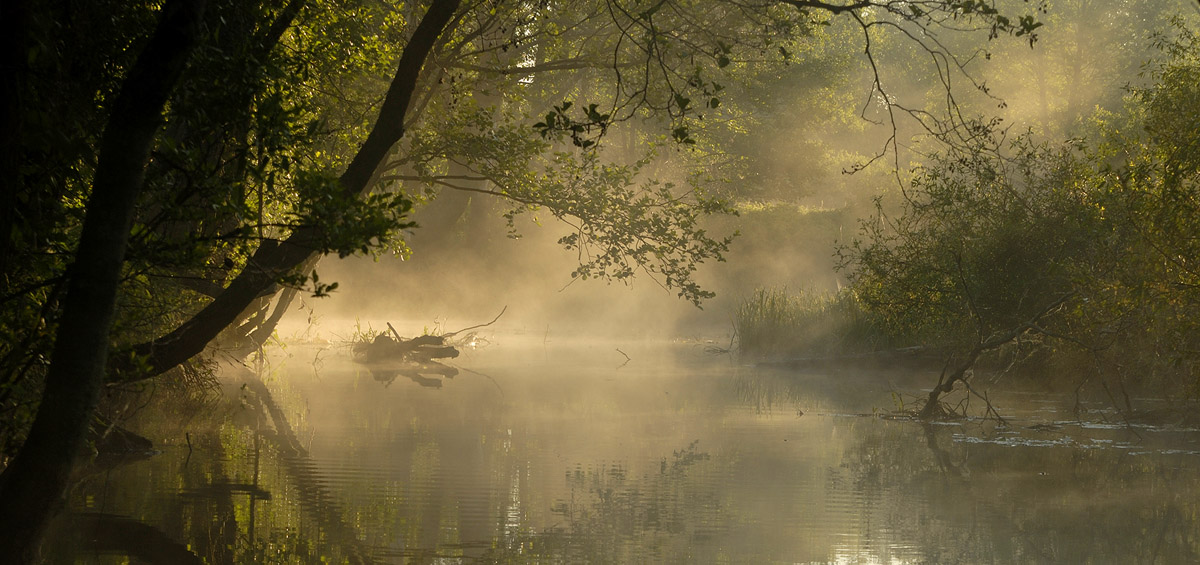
column 271, row 261
column 932, row 405
column 831, row 8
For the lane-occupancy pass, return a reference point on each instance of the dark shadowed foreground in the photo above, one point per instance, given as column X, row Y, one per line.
column 565, row 452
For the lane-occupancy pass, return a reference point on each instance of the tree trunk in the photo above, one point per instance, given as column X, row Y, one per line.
column 933, row 408
column 33, row 484
column 13, row 46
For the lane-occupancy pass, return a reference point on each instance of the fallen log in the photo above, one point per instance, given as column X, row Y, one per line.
column 391, row 355
column 385, row 348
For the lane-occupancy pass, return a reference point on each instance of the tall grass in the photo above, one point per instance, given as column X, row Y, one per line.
column 776, row 322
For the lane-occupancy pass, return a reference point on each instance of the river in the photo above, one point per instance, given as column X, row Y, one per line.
column 561, row 451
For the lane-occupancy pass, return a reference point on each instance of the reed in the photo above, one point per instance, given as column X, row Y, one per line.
column 776, row 322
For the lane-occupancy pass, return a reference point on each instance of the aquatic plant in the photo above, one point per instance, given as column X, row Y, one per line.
column 774, row 322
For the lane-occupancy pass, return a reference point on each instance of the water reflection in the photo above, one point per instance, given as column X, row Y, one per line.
column 429, row 374
column 541, row 454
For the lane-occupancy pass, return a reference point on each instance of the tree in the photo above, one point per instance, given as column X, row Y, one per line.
column 1077, row 251
column 37, row 477
column 665, row 47
column 252, row 175
column 35, row 480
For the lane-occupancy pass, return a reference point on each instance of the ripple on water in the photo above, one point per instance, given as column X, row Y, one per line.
column 575, row 462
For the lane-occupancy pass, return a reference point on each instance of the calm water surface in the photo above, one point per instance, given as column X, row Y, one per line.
column 562, row 452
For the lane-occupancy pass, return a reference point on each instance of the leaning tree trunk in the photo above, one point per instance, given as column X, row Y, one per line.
column 933, row 407
column 261, row 318
column 33, row 484
column 272, row 260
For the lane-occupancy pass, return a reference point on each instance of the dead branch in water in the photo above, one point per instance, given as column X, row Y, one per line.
column 487, row 376
column 933, row 407
column 627, row 358
column 452, row 334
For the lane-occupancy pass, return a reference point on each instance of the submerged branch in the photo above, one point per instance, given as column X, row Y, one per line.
column 627, row 358
column 933, row 406
column 452, row 334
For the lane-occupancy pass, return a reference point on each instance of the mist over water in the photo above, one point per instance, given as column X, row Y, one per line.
column 567, row 451
column 458, row 277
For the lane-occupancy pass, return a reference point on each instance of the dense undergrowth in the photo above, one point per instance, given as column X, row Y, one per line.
column 1073, row 263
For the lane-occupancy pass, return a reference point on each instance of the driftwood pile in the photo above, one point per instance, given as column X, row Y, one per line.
column 389, row 356
column 421, row 349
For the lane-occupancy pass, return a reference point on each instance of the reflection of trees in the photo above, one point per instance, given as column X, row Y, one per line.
column 949, row 464
column 112, row 534
column 431, row 476
column 613, row 516
column 764, row 391
column 844, row 390
column 952, row 501
column 310, row 491
column 1017, row 504
column 224, row 511
column 124, row 518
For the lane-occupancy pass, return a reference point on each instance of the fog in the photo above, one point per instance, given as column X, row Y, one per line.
column 795, row 206
column 459, row 277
